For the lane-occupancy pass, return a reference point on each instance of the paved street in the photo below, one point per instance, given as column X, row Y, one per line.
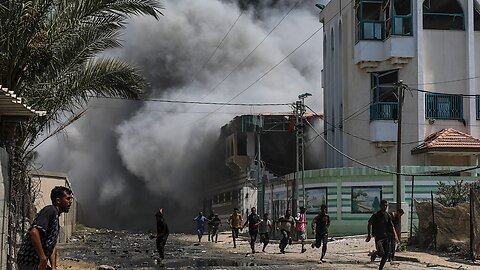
column 124, row 250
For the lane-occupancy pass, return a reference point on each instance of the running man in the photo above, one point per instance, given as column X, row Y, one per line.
column 216, row 223
column 320, row 225
column 209, row 226
column 301, row 222
column 235, row 223
column 287, row 222
column 379, row 225
column 264, row 228
column 396, row 217
column 200, row 219
column 162, row 235
column 253, row 220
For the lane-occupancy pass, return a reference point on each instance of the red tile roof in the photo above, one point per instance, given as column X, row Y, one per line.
column 448, row 140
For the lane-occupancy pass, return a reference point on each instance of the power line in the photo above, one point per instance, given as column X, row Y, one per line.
column 218, row 46
column 449, row 81
column 442, row 93
column 200, row 102
column 353, row 135
column 256, row 47
column 266, row 73
column 386, row 171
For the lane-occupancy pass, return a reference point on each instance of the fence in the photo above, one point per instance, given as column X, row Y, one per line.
column 454, row 228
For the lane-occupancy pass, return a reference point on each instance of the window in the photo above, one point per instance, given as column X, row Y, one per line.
column 384, row 95
column 369, row 21
column 443, row 15
column 477, row 107
column 443, row 106
column 241, row 144
column 398, row 18
column 476, row 18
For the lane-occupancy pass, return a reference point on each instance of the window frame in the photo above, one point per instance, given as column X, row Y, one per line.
column 436, row 113
column 382, row 110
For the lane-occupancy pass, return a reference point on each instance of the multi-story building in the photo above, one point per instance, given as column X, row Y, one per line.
column 368, row 46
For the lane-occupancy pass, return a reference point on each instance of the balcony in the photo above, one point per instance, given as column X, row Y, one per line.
column 383, row 111
column 442, row 106
column 398, row 45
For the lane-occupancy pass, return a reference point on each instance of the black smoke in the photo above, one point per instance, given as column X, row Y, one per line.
column 126, row 159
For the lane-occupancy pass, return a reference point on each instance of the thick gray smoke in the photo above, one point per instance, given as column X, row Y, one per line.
column 125, row 159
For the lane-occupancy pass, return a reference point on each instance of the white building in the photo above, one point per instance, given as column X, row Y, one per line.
column 431, row 45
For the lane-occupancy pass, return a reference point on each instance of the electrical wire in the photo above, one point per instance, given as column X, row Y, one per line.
column 199, row 102
column 216, row 49
column 251, row 52
column 382, row 170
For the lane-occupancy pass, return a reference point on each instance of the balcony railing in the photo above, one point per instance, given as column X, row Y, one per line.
column 442, row 106
column 383, row 111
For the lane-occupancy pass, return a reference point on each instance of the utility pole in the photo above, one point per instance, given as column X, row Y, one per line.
column 400, row 87
column 260, row 182
column 300, row 150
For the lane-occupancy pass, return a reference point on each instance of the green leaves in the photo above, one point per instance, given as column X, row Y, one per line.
column 450, row 195
column 49, row 51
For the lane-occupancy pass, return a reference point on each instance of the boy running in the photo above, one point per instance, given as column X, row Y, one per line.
column 235, row 223
column 253, row 220
column 320, row 225
column 301, row 222
column 264, row 228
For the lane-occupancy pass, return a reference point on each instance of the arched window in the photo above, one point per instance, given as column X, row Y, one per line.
column 476, row 17
column 443, row 15
column 332, row 41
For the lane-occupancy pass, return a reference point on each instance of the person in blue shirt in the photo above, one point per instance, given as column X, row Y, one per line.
column 200, row 219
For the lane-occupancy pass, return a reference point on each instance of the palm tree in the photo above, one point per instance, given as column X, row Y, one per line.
column 49, row 52
column 50, row 56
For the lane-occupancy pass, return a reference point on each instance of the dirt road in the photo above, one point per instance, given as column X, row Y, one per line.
column 123, row 250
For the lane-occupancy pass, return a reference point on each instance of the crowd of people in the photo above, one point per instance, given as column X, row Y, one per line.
column 381, row 226
column 287, row 225
column 38, row 247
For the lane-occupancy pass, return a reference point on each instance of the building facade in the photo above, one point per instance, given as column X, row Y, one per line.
column 369, row 45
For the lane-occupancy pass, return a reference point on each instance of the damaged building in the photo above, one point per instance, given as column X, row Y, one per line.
column 258, row 150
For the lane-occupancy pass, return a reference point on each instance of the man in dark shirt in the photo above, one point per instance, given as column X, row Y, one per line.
column 209, row 226
column 253, row 220
column 320, row 226
column 38, row 245
column 379, row 225
column 396, row 217
column 216, row 223
column 162, row 235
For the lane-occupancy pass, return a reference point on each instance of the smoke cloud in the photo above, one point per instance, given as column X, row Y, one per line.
column 127, row 158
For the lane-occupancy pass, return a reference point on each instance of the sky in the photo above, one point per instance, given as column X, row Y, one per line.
column 125, row 159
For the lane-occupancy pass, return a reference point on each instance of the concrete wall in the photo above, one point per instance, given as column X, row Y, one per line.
column 340, row 181
column 47, row 181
